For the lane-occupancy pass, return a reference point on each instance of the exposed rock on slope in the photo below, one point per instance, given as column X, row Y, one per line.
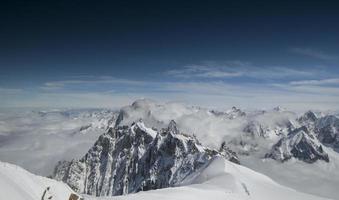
column 327, row 130
column 128, row 159
column 308, row 117
column 300, row 144
column 222, row 180
column 235, row 113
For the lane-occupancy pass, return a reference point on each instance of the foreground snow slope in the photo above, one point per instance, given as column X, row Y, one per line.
column 222, row 180
column 18, row 184
column 319, row 178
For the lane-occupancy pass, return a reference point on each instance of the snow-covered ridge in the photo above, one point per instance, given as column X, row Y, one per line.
column 129, row 159
column 18, row 184
column 301, row 144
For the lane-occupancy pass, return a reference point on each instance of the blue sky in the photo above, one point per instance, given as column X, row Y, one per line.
column 248, row 54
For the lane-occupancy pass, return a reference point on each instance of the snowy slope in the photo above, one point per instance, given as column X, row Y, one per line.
column 18, row 184
column 222, row 180
column 319, row 178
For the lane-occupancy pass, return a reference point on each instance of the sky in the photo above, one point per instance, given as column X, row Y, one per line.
column 213, row 54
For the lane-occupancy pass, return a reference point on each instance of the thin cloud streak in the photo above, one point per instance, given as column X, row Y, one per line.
column 202, row 72
column 54, row 85
column 315, row 54
column 10, row 90
column 230, row 71
column 316, row 82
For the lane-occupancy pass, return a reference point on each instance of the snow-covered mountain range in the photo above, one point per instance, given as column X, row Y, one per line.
column 149, row 145
column 129, row 159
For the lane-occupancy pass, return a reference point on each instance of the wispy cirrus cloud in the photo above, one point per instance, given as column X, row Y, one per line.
column 10, row 90
column 201, row 71
column 88, row 80
column 319, row 87
column 215, row 94
column 330, row 81
column 209, row 84
column 315, row 54
column 322, row 91
column 238, row 69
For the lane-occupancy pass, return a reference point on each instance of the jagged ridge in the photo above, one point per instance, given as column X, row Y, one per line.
column 299, row 143
column 128, row 159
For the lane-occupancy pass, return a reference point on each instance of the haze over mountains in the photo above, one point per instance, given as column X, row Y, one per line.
column 174, row 144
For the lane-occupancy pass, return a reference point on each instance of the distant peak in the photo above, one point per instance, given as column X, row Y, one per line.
column 142, row 103
column 172, row 127
column 278, row 109
column 235, row 112
column 311, row 115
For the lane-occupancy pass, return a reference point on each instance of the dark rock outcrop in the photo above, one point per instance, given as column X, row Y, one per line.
column 128, row 159
column 327, row 131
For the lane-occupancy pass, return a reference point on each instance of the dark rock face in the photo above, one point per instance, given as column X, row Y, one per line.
column 233, row 113
column 308, row 117
column 327, row 130
column 128, row 159
column 254, row 129
column 299, row 143
column 227, row 153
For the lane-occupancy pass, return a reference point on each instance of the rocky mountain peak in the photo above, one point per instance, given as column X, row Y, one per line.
column 128, row 159
column 309, row 116
column 327, row 130
column 235, row 112
column 278, row 109
column 299, row 143
column 172, row 127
